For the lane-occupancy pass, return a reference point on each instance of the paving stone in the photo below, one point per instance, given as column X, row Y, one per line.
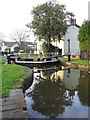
column 19, row 113
column 12, row 92
column 12, row 98
column 16, row 97
column 16, row 92
column 15, row 101
column 11, row 107
column 14, row 105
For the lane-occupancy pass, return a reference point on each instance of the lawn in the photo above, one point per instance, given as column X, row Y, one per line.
column 2, row 61
column 77, row 61
column 12, row 77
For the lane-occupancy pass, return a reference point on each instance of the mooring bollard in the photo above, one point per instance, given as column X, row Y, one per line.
column 69, row 55
column 8, row 59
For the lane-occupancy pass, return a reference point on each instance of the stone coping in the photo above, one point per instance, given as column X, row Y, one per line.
column 76, row 66
column 14, row 106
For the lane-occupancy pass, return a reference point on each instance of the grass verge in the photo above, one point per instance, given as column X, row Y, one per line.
column 2, row 61
column 76, row 61
column 12, row 77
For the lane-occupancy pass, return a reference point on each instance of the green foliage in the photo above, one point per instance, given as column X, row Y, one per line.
column 84, row 45
column 84, row 36
column 23, row 48
column 2, row 61
column 17, row 49
column 48, row 21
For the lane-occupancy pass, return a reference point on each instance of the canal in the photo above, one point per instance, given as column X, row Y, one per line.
column 58, row 93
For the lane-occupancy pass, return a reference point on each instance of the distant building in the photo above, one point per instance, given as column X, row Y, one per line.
column 71, row 36
column 13, row 45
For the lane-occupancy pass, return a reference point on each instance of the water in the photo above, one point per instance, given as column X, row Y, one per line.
column 59, row 94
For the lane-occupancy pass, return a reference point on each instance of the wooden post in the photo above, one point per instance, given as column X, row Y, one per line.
column 8, row 59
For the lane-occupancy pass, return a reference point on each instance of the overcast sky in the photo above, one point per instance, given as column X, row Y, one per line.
column 16, row 13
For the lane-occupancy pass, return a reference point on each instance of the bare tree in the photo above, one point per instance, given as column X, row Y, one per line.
column 20, row 36
column 2, row 36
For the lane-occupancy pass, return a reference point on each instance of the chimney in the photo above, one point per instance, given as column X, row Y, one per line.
column 72, row 21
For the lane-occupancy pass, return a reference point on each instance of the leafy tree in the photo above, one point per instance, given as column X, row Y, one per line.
column 84, row 36
column 48, row 21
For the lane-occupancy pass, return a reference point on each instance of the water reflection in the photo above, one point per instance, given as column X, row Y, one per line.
column 59, row 94
column 70, row 80
column 27, row 82
column 82, row 88
column 49, row 98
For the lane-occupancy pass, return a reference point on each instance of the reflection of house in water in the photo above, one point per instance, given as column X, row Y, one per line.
column 69, row 77
column 71, row 81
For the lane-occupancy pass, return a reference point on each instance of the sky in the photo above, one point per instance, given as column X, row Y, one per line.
column 16, row 13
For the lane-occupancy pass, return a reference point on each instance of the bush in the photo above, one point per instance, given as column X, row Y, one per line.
column 84, row 36
column 23, row 48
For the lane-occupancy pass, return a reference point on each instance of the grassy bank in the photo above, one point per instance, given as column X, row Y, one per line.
column 76, row 61
column 12, row 77
column 2, row 61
